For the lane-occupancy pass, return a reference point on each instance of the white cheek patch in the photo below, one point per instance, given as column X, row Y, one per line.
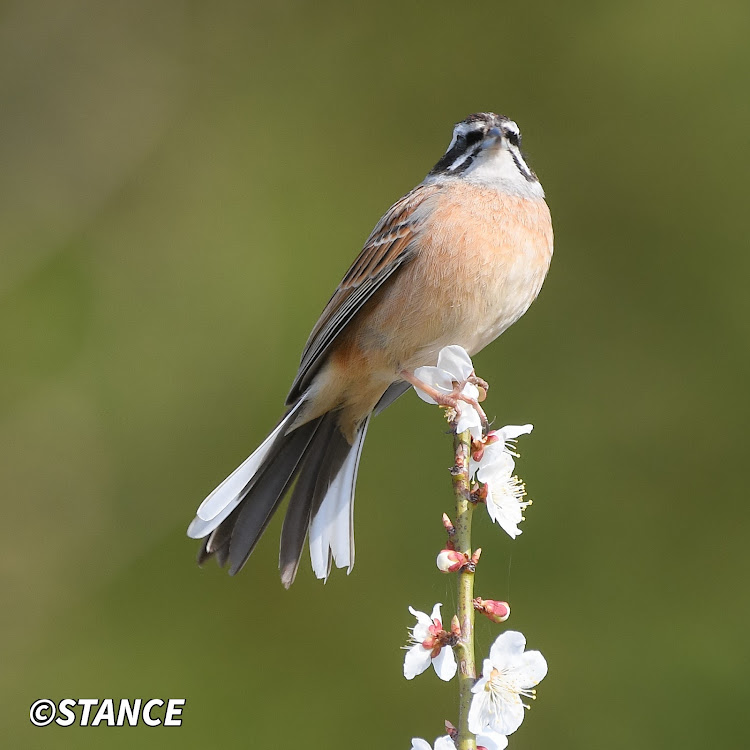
column 461, row 159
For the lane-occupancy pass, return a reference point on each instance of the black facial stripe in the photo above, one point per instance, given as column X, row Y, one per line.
column 513, row 137
column 452, row 156
column 520, row 167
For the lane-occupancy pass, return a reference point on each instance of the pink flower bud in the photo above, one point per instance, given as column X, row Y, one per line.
column 448, row 524
column 450, row 560
column 493, row 610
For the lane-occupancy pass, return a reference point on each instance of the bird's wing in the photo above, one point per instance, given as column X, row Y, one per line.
column 385, row 252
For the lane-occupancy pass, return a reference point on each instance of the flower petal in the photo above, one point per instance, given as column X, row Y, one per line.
column 470, row 391
column 417, row 659
column 491, row 740
column 495, row 713
column 512, row 431
column 445, row 664
column 507, row 650
column 532, row 669
column 419, row 615
column 504, row 508
column 437, row 378
column 482, row 681
column 421, row 630
column 509, row 526
column 456, row 361
column 495, row 464
column 417, row 743
column 507, row 716
column 468, row 418
column 478, row 711
column 445, row 743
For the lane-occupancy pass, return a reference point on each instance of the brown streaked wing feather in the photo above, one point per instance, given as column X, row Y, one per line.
column 385, row 251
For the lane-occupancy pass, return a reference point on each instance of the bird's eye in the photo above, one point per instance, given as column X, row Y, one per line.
column 473, row 136
column 514, row 137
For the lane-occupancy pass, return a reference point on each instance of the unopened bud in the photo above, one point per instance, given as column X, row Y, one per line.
column 477, row 449
column 475, row 557
column 455, row 626
column 451, row 730
column 450, row 560
column 494, row 610
column 448, row 524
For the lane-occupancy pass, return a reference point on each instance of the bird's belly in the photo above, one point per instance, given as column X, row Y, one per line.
column 481, row 262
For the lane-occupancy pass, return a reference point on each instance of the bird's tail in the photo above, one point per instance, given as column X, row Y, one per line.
column 233, row 517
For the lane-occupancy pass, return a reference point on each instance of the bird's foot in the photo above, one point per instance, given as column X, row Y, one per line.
column 480, row 383
column 450, row 400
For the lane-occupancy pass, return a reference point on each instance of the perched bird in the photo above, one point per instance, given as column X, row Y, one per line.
column 455, row 261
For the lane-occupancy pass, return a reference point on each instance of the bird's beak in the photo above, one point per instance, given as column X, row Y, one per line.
column 493, row 139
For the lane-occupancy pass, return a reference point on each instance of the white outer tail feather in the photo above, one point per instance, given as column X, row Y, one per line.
column 331, row 530
column 226, row 497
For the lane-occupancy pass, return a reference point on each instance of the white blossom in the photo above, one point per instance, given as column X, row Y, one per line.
column 441, row 743
column 491, row 740
column 509, row 674
column 505, row 492
column 487, row 740
column 501, row 442
column 426, row 648
column 453, row 365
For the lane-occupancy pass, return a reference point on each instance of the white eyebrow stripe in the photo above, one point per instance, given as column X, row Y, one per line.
column 467, row 127
column 462, row 129
column 512, row 127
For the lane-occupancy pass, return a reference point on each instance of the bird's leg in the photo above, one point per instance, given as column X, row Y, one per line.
column 443, row 399
column 473, row 402
column 448, row 399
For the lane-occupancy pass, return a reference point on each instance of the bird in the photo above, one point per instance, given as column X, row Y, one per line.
column 457, row 260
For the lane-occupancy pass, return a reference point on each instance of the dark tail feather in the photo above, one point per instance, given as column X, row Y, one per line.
column 324, row 465
column 395, row 390
column 324, row 458
column 217, row 543
column 265, row 492
column 235, row 537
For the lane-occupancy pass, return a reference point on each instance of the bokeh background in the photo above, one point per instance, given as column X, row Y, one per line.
column 181, row 186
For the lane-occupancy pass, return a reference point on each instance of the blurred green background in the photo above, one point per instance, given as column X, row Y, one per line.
column 182, row 185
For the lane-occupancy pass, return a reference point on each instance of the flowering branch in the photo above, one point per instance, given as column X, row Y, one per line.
column 491, row 707
column 467, row 673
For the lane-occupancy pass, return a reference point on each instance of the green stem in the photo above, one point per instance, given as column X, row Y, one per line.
column 467, row 673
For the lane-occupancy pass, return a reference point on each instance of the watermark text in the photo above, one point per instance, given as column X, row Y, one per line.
column 110, row 712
